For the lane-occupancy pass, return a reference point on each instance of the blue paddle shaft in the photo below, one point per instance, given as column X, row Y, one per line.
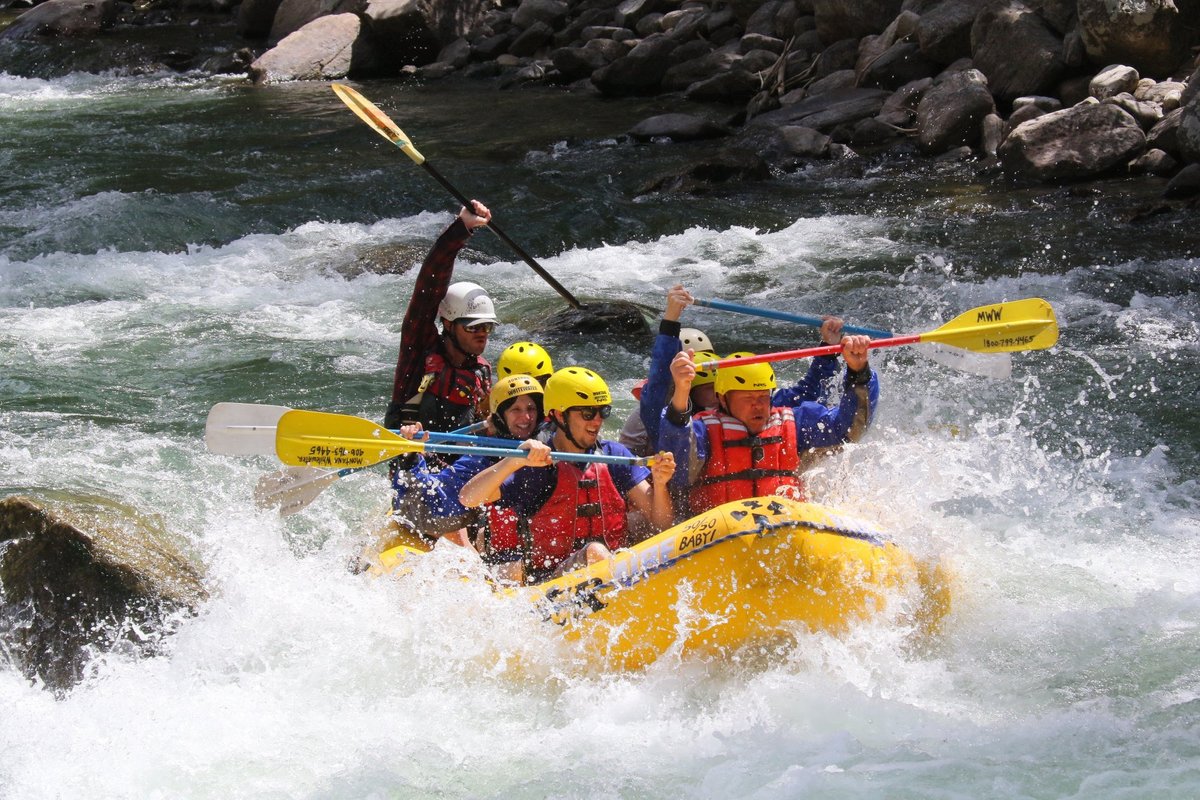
column 801, row 319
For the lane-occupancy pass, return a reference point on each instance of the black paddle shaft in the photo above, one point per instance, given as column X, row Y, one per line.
column 516, row 248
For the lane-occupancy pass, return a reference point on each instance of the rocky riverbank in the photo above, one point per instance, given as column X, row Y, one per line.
column 1045, row 90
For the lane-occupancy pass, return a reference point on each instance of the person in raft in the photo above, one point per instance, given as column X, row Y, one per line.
column 640, row 433
column 571, row 514
column 442, row 379
column 428, row 499
column 748, row 446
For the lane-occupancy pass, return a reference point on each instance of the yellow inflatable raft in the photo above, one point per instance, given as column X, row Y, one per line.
column 741, row 574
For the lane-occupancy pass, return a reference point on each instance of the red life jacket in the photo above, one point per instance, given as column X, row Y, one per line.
column 585, row 507
column 740, row 465
column 449, row 397
column 503, row 535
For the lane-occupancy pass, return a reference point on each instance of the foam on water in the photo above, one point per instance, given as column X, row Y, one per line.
column 1066, row 669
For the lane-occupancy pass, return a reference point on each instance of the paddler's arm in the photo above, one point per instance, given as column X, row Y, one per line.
column 651, row 497
column 818, row 425
column 485, row 487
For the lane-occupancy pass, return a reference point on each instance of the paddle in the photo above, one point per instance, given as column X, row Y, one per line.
column 369, row 113
column 317, row 438
column 248, row 429
column 1010, row 327
column 991, row 365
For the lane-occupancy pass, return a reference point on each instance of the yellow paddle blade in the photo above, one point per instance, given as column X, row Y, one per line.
column 1002, row 328
column 336, row 441
column 369, row 113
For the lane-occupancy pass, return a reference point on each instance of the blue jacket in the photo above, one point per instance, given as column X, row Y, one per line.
column 812, row 387
column 817, row 425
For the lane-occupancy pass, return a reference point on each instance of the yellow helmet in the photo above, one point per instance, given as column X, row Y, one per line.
column 745, row 377
column 576, row 386
column 524, row 358
column 511, row 387
column 704, row 377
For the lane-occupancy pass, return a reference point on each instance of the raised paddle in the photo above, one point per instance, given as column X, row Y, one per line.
column 1010, row 327
column 339, row 441
column 990, row 365
column 369, row 113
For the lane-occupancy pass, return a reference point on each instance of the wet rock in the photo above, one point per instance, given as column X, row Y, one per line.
column 1112, row 81
column 71, row 18
column 944, row 31
column 1015, row 49
column 326, row 48
column 678, row 128
column 615, row 321
column 638, row 72
column 402, row 31
column 1185, row 184
column 292, row 15
column 701, row 175
column 950, row 113
column 85, row 575
column 1188, row 132
column 1165, row 134
column 1083, row 141
column 852, row 19
column 828, row 110
column 1154, row 162
column 1151, row 35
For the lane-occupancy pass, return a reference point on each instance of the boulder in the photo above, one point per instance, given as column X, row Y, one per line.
column 944, row 31
column 1113, row 80
column 1152, row 36
column 678, row 128
column 72, row 18
column 1015, row 49
column 1165, row 135
column 640, row 71
column 575, row 63
column 951, row 111
column 402, row 30
column 1188, row 134
column 901, row 63
column 292, row 15
column 826, row 111
column 550, row 12
column 1083, row 141
column 619, row 322
column 852, row 19
column 1185, row 184
column 86, row 575
column 326, row 48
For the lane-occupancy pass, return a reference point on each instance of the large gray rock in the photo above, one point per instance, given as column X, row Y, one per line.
column 852, row 19
column 85, row 575
column 292, row 15
column 326, row 48
column 574, row 63
column 638, row 72
column 1188, row 134
column 63, row 18
column 944, row 31
column 1150, row 35
column 951, row 111
column 677, row 127
column 1015, row 49
column 403, row 30
column 826, row 111
column 1079, row 142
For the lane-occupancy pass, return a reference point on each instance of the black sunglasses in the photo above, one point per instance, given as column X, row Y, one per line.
column 477, row 327
column 588, row 413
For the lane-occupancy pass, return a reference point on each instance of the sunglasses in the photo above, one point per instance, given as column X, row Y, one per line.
column 478, row 327
column 588, row 413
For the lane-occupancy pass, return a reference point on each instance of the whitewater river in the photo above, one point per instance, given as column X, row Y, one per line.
column 168, row 244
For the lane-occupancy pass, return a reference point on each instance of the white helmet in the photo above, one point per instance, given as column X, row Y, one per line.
column 467, row 301
column 695, row 339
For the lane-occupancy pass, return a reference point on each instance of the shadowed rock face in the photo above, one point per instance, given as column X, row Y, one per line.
column 612, row 321
column 81, row 576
